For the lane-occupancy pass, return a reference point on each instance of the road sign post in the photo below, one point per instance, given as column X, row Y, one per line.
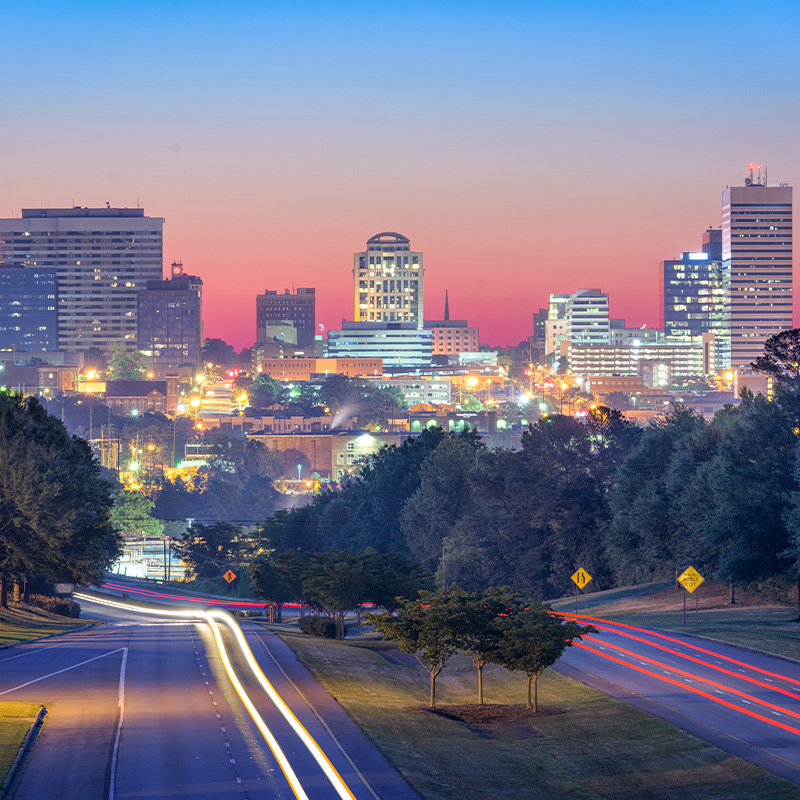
column 581, row 578
column 690, row 579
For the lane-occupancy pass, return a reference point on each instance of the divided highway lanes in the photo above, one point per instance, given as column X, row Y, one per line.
column 745, row 703
column 145, row 707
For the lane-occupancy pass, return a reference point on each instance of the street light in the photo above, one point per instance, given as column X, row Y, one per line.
column 299, row 467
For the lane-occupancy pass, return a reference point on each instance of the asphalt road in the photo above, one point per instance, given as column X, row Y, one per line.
column 745, row 703
column 143, row 707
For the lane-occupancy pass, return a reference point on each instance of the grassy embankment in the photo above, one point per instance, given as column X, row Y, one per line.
column 752, row 622
column 582, row 744
column 15, row 721
column 20, row 623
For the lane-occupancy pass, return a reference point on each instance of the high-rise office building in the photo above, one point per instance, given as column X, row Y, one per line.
column 387, row 281
column 28, row 321
column 297, row 308
column 168, row 322
column 102, row 257
column 757, row 265
column 693, row 292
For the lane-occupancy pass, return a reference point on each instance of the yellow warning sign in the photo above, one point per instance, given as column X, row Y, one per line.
column 230, row 575
column 690, row 579
column 581, row 578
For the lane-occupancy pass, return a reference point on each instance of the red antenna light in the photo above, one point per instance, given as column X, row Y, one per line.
column 751, row 168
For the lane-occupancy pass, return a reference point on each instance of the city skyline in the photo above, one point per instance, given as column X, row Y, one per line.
column 274, row 147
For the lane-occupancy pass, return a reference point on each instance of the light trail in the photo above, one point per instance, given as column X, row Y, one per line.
column 680, row 642
column 692, row 689
column 677, row 671
column 210, row 616
column 693, row 659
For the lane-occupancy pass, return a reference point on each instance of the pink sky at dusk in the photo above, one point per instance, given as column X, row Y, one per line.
column 524, row 150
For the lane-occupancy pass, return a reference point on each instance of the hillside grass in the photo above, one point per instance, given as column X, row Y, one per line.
column 582, row 743
column 752, row 622
column 20, row 623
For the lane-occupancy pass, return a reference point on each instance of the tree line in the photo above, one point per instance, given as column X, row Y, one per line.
column 625, row 503
column 54, row 505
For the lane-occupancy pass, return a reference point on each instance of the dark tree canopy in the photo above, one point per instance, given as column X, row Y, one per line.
column 54, row 506
column 781, row 359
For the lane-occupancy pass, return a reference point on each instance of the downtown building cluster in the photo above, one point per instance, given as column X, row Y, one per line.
column 717, row 305
column 79, row 281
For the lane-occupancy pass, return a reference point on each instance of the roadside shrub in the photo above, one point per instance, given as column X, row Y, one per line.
column 324, row 627
column 62, row 606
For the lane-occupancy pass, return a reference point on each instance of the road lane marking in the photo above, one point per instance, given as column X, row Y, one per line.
column 700, row 661
column 61, row 671
column 708, row 681
column 606, row 625
column 285, row 766
column 29, row 653
column 711, row 697
column 316, row 714
column 121, row 702
column 341, row 788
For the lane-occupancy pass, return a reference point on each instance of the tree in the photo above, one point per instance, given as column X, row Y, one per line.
column 781, row 359
column 218, row 353
column 271, row 586
column 534, row 639
column 430, row 514
column 54, row 507
column 338, row 582
column 422, row 628
column 265, row 392
column 125, row 366
column 470, row 403
column 478, row 632
column 218, row 545
column 132, row 514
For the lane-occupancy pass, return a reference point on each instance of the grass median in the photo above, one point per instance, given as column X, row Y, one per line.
column 582, row 744
column 15, row 722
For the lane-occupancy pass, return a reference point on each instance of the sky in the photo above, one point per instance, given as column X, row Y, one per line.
column 524, row 148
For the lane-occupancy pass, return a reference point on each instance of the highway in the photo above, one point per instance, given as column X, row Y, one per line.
column 144, row 706
column 745, row 703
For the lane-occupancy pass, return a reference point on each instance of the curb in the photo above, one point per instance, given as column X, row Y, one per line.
column 49, row 636
column 22, row 756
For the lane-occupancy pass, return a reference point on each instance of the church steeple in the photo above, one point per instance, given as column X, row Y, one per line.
column 446, row 307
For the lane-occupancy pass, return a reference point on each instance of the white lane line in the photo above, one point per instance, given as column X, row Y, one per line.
column 114, row 754
column 29, row 653
column 60, row 671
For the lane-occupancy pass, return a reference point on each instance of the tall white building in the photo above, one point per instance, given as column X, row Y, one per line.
column 387, row 279
column 757, row 265
column 580, row 318
column 102, row 258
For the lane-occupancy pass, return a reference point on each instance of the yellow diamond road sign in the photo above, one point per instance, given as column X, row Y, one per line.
column 581, row 578
column 230, row 575
column 690, row 579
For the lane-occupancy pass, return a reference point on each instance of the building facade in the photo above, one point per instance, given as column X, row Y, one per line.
column 757, row 265
column 102, row 257
column 169, row 323
column 28, row 318
column 298, row 308
column 400, row 345
column 305, row 369
column 387, row 280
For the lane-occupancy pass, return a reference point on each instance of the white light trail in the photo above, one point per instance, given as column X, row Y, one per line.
column 210, row 616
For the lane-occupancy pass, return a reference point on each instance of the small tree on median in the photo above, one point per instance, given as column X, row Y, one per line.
column 421, row 628
column 534, row 639
column 477, row 625
column 270, row 586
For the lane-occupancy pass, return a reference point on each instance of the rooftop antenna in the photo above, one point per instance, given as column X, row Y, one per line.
column 749, row 181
